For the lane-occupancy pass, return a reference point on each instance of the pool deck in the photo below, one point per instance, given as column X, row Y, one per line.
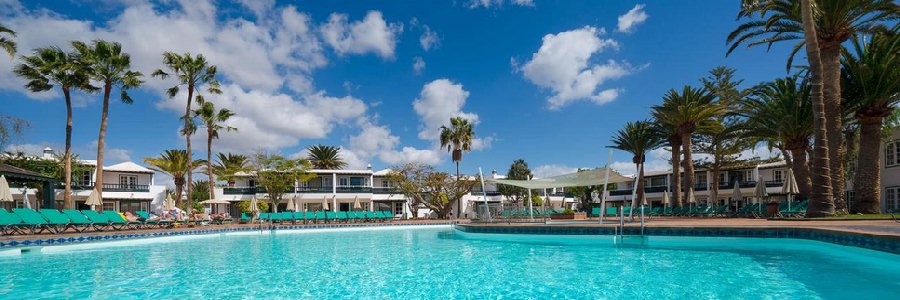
column 872, row 227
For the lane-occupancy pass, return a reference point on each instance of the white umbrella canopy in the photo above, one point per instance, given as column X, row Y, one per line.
column 94, row 199
column 254, row 205
column 665, row 199
column 214, row 201
column 760, row 191
column 297, row 204
column 690, row 196
column 170, row 203
column 790, row 184
column 290, row 204
column 736, row 193
column 356, row 204
column 5, row 193
column 324, row 203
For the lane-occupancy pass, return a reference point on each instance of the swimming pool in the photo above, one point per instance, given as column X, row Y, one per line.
column 438, row 262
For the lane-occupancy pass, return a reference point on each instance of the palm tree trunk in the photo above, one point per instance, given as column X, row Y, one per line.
column 676, row 170
column 867, row 183
column 101, row 139
column 831, row 94
column 187, row 138
column 179, row 187
column 209, row 171
column 640, row 187
column 800, row 166
column 714, row 188
column 821, row 202
column 67, row 196
column 458, row 201
column 688, row 163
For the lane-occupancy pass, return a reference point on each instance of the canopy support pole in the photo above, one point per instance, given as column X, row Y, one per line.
column 605, row 183
column 634, row 192
column 483, row 196
column 530, row 206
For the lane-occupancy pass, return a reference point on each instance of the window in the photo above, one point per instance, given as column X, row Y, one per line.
column 778, row 175
column 658, row 181
column 85, row 179
column 342, row 181
column 892, row 198
column 701, row 179
column 892, row 153
column 385, row 184
column 127, row 181
column 357, row 181
column 251, row 183
column 722, row 177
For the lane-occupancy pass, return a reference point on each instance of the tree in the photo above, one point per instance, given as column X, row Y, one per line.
column 871, row 80
column 6, row 43
column 227, row 165
column 194, row 73
column 11, row 127
column 673, row 138
column 518, row 170
column 175, row 164
column 325, row 157
column 213, row 120
column 53, row 168
column 457, row 138
column 637, row 138
column 694, row 109
column 780, row 114
column 105, row 63
column 423, row 185
column 823, row 26
column 45, row 69
column 277, row 175
column 724, row 141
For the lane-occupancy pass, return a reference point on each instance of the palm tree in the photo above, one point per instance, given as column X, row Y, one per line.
column 6, row 43
column 824, row 25
column 780, row 113
column 105, row 62
column 457, row 138
column 49, row 67
column 692, row 110
column 674, row 141
column 637, row 138
column 871, row 91
column 227, row 165
column 214, row 121
column 325, row 157
column 175, row 164
column 193, row 72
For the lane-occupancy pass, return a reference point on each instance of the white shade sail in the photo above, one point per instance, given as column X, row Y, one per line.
column 580, row 178
column 214, row 201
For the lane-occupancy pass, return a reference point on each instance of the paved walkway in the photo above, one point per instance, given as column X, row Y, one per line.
column 877, row 227
column 72, row 233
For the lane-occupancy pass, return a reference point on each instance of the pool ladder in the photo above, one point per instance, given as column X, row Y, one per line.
column 619, row 232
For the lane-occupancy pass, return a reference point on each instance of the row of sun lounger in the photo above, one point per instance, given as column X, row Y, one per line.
column 29, row 221
column 754, row 210
column 323, row 216
column 516, row 213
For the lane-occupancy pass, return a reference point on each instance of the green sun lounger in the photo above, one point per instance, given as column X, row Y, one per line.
column 320, row 216
column 97, row 219
column 153, row 222
column 10, row 223
column 119, row 223
column 61, row 221
column 380, row 216
column 310, row 217
column 331, row 216
column 388, row 215
column 33, row 221
column 78, row 218
column 341, row 216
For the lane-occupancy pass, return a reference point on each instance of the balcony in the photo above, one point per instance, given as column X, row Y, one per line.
column 655, row 189
column 385, row 190
column 76, row 186
column 620, row 193
column 774, row 183
column 115, row 187
column 700, row 186
column 239, row 190
column 315, row 189
column 354, row 189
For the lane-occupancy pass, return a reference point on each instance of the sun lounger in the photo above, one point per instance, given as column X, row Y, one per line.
column 97, row 219
column 321, row 217
column 309, row 217
column 118, row 222
column 388, row 215
column 10, row 223
column 342, row 216
column 34, row 221
column 61, row 221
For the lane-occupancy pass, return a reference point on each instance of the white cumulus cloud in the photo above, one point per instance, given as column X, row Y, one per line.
column 563, row 65
column 498, row 3
column 371, row 34
column 550, row 170
column 632, row 18
column 418, row 64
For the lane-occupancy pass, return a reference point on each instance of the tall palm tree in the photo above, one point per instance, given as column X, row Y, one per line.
column 871, row 91
column 780, row 113
column 227, row 165
column 6, row 43
column 637, row 138
column 670, row 133
column 691, row 110
column 49, row 67
column 325, row 157
column 824, row 25
column 192, row 72
column 175, row 164
column 457, row 138
column 106, row 63
column 213, row 120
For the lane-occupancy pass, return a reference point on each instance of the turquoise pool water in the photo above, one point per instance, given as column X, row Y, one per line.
column 441, row 263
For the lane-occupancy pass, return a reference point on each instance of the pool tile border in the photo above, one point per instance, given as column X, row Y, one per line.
column 126, row 236
column 885, row 243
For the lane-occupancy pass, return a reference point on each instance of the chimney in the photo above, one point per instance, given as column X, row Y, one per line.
column 48, row 153
column 494, row 173
column 369, row 167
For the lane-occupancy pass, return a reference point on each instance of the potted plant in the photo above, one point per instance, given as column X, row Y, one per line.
column 568, row 214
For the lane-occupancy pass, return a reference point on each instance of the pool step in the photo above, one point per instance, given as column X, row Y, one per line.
column 630, row 239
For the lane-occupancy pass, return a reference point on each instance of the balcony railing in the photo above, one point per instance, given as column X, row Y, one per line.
column 385, row 190
column 115, row 187
column 774, row 183
column 354, row 189
column 239, row 190
column 315, row 189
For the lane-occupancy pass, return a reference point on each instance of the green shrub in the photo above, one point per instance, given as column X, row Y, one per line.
column 244, row 206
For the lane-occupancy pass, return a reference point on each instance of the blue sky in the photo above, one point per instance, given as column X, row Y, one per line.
column 547, row 81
